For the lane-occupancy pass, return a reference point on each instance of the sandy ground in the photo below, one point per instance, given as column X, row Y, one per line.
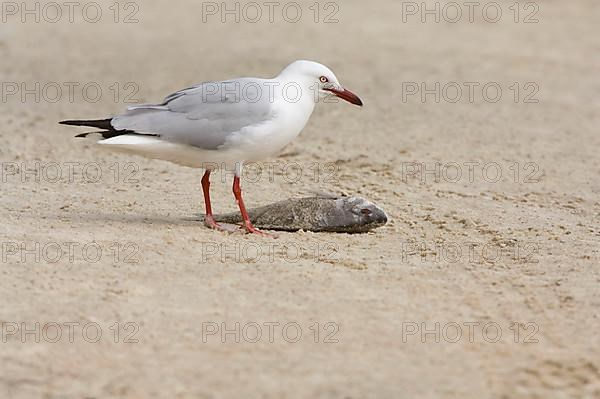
column 483, row 284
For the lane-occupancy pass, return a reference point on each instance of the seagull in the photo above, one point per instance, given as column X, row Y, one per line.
column 222, row 124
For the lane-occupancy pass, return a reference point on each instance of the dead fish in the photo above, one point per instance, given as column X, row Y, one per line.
column 319, row 214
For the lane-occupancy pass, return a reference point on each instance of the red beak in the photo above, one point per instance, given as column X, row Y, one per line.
column 346, row 95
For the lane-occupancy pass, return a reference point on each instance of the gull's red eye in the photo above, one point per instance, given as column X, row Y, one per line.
column 323, row 79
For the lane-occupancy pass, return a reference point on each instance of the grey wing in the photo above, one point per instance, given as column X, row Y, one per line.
column 203, row 116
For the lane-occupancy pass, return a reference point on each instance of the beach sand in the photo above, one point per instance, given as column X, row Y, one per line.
column 484, row 283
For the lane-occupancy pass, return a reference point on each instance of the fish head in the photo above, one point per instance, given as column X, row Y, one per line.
column 360, row 215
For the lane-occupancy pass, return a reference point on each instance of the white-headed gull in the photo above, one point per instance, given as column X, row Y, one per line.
column 223, row 124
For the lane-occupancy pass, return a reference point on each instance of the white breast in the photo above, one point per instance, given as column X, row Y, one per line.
column 261, row 141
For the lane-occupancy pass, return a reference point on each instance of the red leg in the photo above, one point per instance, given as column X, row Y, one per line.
column 237, row 192
column 209, row 220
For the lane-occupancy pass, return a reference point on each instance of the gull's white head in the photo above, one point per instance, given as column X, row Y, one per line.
column 318, row 77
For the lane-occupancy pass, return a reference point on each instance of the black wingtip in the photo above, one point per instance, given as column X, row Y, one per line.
column 72, row 123
column 104, row 124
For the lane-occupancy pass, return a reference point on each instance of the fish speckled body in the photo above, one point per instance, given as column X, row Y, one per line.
column 318, row 214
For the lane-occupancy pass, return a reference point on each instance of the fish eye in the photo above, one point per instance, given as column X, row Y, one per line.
column 365, row 211
column 323, row 79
